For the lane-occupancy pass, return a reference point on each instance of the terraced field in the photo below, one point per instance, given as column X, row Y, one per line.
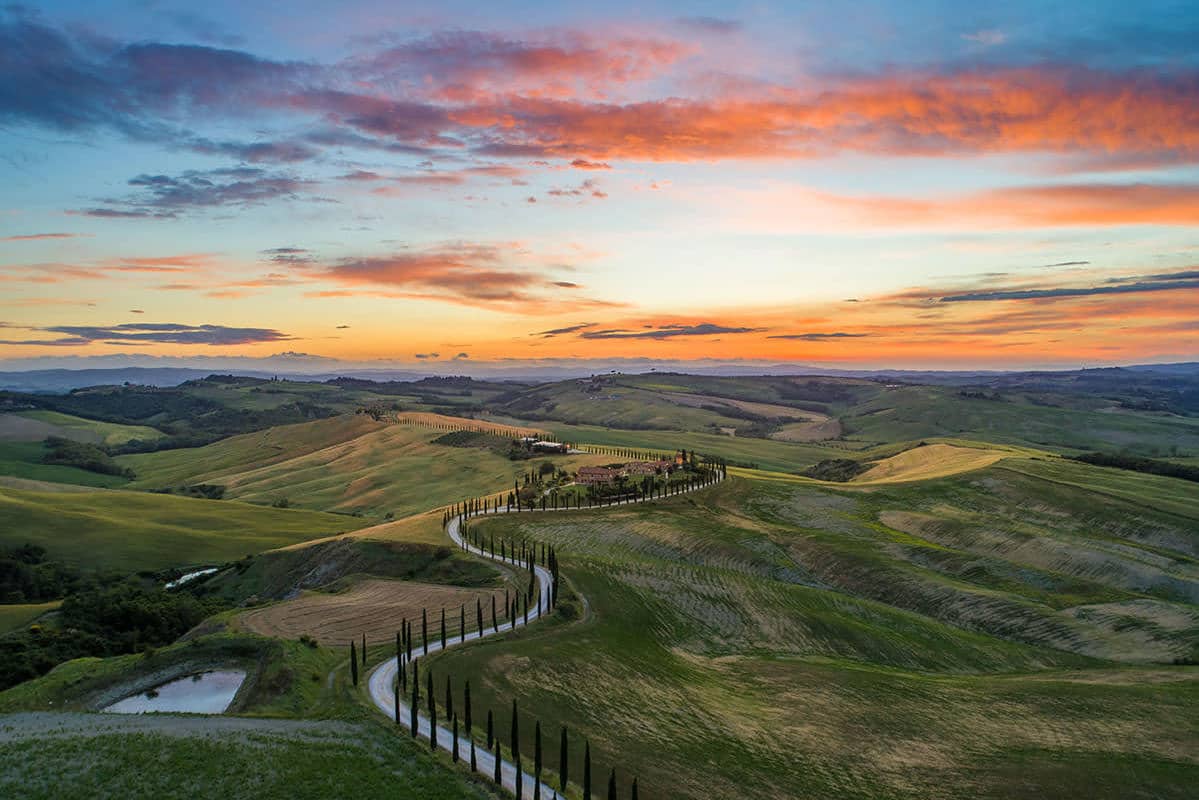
column 795, row 639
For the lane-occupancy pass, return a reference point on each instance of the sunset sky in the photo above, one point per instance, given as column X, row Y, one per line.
column 875, row 184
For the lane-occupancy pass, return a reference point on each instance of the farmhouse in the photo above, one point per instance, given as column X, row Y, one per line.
column 648, row 467
column 550, row 447
column 597, row 476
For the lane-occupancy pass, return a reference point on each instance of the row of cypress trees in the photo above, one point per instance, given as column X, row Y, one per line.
column 528, row 556
column 493, row 741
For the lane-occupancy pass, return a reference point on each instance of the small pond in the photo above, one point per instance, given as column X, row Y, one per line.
column 203, row 693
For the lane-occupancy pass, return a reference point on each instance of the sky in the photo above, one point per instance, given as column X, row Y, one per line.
column 878, row 184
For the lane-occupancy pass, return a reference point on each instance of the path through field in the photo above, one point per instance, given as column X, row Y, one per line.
column 382, row 680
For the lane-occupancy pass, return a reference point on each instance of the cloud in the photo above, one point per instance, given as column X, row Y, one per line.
column 587, row 188
column 157, row 333
column 464, row 65
column 1035, row 206
column 563, row 331
column 582, row 163
column 30, row 237
column 712, row 25
column 988, row 37
column 667, row 332
column 428, row 356
column 1067, row 264
column 295, row 256
column 475, row 274
column 1183, row 281
column 342, row 327
column 817, row 337
column 281, row 152
column 462, row 357
column 561, row 94
column 168, row 196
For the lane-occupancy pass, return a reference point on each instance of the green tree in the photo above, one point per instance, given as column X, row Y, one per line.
column 353, row 664
column 587, row 770
column 415, row 698
column 515, row 745
column 563, row 761
column 537, row 761
column 612, row 785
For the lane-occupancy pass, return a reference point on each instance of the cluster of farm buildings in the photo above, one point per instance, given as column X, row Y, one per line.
column 604, row 476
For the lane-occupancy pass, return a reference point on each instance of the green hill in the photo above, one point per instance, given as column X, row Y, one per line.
column 988, row 634
column 131, row 531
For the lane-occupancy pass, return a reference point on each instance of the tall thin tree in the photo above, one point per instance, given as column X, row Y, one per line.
column 353, row 664
column 563, row 761
column 587, row 771
column 424, row 630
column 612, row 785
column 415, row 698
column 537, row 761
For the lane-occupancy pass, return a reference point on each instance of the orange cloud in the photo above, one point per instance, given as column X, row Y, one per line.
column 1040, row 206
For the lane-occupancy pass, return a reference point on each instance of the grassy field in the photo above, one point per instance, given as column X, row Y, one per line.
column 946, row 638
column 21, row 614
column 24, row 460
column 348, row 464
column 1068, row 425
column 142, row 531
column 34, row 426
column 343, row 749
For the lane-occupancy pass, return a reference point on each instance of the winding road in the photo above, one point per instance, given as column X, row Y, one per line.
column 381, row 683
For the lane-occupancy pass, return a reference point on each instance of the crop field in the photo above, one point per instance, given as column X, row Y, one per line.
column 930, row 461
column 346, row 464
column 138, row 530
column 797, row 639
column 373, row 607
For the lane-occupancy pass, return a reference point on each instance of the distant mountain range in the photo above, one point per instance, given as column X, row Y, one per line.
column 298, row 366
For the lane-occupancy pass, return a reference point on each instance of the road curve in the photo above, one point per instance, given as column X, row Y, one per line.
column 381, row 682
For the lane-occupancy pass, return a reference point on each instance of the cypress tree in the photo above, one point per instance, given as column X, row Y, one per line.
column 537, row 761
column 563, row 761
column 587, row 771
column 455, row 756
column 397, row 701
column 449, row 698
column 353, row 664
column 516, row 747
column 479, row 616
column 399, row 648
column 415, row 698
column 634, row 789
column 364, row 649
column 495, row 628
column 462, row 629
column 432, row 710
column 443, row 628
column 469, row 728
column 612, row 785
column 490, row 729
column 498, row 762
column 424, row 630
